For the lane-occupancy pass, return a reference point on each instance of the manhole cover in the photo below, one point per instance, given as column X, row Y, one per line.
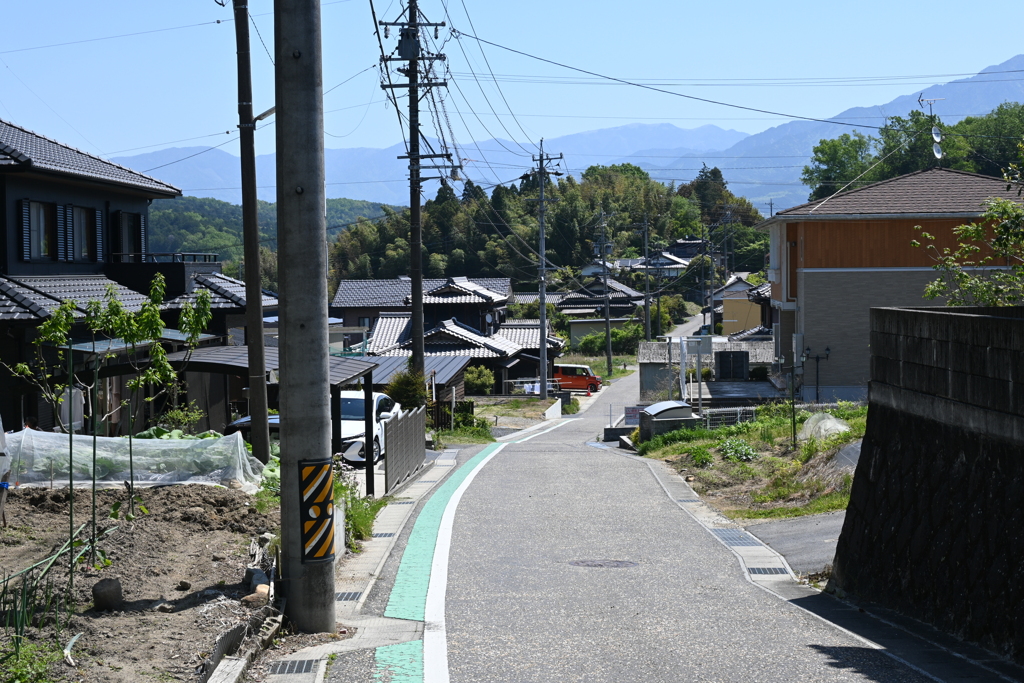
column 608, row 564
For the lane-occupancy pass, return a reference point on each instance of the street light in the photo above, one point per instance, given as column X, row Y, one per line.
column 817, row 369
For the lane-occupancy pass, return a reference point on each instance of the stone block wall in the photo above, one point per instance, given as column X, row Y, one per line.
column 935, row 525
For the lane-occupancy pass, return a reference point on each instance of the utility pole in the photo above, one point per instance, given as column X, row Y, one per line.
column 542, row 176
column 308, row 577
column 251, row 239
column 647, row 285
column 607, row 302
column 409, row 50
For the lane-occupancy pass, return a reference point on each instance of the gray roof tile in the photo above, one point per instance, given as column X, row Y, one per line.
column 43, row 294
column 23, row 148
column 394, row 293
column 933, row 191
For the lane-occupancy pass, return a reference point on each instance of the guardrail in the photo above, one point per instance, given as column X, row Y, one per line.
column 404, row 447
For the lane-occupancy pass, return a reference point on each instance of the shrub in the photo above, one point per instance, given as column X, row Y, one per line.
column 408, row 388
column 479, row 380
column 718, row 328
column 737, row 449
column 572, row 407
column 701, row 457
column 705, row 372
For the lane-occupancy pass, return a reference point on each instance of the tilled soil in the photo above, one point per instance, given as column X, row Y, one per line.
column 189, row 551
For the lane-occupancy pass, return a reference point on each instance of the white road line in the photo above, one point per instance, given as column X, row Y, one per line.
column 435, row 635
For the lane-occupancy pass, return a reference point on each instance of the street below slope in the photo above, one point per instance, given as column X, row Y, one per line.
column 553, row 557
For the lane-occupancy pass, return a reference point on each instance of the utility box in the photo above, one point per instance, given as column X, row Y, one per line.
column 667, row 416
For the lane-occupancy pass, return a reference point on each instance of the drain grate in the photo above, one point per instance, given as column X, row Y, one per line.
column 767, row 570
column 427, row 481
column 687, row 500
column 607, row 564
column 350, row 596
column 383, row 534
column 735, row 537
column 293, row 666
column 401, row 502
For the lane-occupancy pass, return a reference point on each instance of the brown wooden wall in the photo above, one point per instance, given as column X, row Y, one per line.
column 871, row 243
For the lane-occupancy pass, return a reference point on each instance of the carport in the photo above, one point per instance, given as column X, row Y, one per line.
column 234, row 360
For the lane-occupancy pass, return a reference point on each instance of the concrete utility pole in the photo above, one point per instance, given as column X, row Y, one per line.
column 409, row 50
column 251, row 238
column 302, row 252
column 542, row 176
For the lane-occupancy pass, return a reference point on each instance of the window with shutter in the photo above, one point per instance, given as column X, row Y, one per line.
column 43, row 231
column 81, row 234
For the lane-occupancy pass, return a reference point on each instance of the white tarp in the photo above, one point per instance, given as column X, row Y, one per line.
column 821, row 426
column 33, row 455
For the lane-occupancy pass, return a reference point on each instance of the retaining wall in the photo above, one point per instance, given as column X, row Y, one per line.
column 935, row 525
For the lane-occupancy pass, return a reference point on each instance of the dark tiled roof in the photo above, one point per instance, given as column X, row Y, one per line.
column 526, row 335
column 532, row 297
column 933, row 191
column 40, row 295
column 225, row 292
column 445, row 367
column 461, row 290
column 235, row 360
column 451, row 338
column 23, row 148
column 370, row 293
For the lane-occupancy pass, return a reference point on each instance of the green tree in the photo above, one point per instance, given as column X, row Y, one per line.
column 837, row 162
column 986, row 268
column 479, row 380
column 408, row 388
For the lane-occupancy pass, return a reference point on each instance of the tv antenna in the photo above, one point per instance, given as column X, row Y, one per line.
column 922, row 100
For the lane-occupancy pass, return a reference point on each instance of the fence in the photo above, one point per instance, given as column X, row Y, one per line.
column 404, row 447
column 440, row 414
column 726, row 417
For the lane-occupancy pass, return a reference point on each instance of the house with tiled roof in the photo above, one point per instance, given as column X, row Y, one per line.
column 832, row 260
column 588, row 299
column 74, row 227
column 510, row 352
column 477, row 302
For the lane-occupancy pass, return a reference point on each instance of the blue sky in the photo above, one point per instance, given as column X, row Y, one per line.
column 167, row 88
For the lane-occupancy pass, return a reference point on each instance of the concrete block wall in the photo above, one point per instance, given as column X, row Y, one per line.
column 935, row 525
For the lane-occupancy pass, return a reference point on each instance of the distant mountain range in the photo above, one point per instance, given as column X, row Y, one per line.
column 762, row 167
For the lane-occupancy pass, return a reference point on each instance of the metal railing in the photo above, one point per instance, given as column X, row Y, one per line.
column 404, row 447
column 164, row 257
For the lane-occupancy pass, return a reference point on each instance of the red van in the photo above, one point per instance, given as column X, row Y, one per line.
column 579, row 377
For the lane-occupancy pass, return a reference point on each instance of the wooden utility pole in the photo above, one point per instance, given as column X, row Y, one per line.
column 260, row 433
column 308, row 577
column 607, row 298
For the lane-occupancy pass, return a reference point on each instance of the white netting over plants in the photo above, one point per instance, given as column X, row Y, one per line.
column 33, row 455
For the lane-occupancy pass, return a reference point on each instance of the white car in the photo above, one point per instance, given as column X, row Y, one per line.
column 353, row 425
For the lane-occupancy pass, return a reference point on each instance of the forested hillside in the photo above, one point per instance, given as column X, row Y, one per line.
column 980, row 144
column 480, row 235
column 198, row 224
column 475, row 234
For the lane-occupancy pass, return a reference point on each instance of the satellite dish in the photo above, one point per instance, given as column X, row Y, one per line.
column 489, row 318
column 936, row 134
column 937, row 151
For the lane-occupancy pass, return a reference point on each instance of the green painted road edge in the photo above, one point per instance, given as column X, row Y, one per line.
column 409, row 595
column 404, row 662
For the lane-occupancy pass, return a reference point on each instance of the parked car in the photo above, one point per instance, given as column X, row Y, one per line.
column 352, row 424
column 579, row 377
column 353, row 432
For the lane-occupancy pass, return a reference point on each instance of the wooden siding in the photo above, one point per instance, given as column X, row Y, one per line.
column 871, row 243
column 793, row 230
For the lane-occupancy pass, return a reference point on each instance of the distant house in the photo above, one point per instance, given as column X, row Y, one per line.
column 833, row 260
column 510, row 352
column 74, row 225
column 664, row 264
column 480, row 303
column 588, row 299
column 739, row 313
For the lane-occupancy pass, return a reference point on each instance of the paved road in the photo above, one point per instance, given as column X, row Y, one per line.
column 518, row 610
column 808, row 543
column 489, row 580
